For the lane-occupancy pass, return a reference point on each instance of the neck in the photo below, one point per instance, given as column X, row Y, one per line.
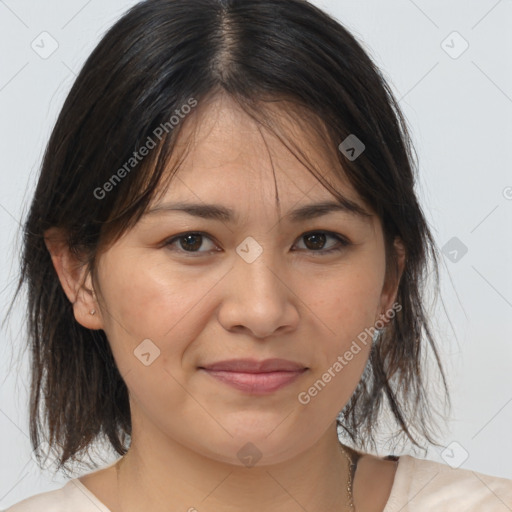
column 156, row 479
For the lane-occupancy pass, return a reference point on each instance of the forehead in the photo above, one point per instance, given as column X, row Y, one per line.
column 232, row 159
column 223, row 137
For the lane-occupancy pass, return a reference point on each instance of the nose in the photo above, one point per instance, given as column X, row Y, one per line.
column 258, row 298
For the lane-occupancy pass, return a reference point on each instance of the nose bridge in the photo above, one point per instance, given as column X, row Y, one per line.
column 256, row 298
column 255, row 267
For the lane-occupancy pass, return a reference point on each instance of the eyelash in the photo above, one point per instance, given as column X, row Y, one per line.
column 343, row 242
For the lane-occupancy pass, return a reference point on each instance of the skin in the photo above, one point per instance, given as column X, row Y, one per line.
column 290, row 303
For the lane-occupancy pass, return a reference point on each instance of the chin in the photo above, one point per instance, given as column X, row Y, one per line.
column 256, row 446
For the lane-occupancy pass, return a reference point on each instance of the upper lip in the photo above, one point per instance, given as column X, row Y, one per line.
column 255, row 366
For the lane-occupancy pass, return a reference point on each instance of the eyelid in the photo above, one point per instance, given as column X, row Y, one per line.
column 175, row 238
column 342, row 240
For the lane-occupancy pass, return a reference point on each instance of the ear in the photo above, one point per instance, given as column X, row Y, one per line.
column 392, row 280
column 75, row 280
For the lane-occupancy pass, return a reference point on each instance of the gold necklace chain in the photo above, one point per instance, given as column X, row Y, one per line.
column 349, row 480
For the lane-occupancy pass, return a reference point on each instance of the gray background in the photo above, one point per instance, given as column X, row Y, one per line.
column 459, row 108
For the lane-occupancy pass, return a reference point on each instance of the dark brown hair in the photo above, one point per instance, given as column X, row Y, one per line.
column 152, row 62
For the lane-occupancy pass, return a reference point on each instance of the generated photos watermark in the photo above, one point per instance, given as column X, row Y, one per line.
column 304, row 397
column 144, row 150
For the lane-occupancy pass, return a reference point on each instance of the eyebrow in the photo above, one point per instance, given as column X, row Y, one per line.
column 225, row 214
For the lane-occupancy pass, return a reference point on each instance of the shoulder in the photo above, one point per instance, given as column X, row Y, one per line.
column 70, row 497
column 428, row 485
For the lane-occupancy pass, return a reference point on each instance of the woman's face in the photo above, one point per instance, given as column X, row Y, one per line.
column 249, row 287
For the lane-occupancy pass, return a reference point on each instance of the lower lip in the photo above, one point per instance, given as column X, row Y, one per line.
column 256, row 383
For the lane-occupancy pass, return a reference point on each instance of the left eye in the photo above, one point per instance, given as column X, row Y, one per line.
column 192, row 241
column 316, row 238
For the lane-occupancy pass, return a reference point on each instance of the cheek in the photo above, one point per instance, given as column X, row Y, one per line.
column 346, row 301
column 148, row 327
column 344, row 310
column 148, row 300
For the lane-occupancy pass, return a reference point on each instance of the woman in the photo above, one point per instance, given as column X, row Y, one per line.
column 223, row 252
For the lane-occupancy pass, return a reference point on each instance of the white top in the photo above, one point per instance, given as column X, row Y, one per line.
column 419, row 486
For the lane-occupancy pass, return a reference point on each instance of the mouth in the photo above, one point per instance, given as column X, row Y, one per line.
column 255, row 377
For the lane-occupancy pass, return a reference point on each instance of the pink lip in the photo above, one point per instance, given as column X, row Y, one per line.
column 256, row 377
column 255, row 366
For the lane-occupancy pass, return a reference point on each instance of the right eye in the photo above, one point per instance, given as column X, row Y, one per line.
column 189, row 242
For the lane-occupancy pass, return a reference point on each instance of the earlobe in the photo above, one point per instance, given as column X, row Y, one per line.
column 74, row 279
